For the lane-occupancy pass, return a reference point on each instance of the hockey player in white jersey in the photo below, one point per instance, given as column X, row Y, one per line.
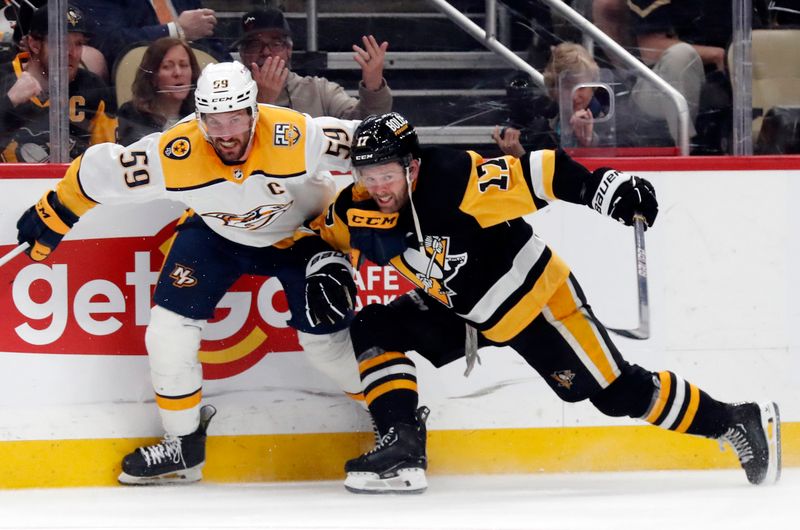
column 250, row 175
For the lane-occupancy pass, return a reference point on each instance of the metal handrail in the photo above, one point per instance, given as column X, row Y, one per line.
column 632, row 62
column 587, row 27
column 487, row 36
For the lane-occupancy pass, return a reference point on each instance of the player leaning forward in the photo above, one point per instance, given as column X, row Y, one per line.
column 250, row 175
column 451, row 222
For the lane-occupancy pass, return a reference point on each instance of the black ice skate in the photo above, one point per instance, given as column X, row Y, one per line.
column 396, row 465
column 755, row 435
column 174, row 460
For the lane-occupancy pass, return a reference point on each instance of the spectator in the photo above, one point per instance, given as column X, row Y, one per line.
column 24, row 110
column 119, row 23
column 680, row 41
column 20, row 16
column 266, row 47
column 161, row 89
column 574, row 60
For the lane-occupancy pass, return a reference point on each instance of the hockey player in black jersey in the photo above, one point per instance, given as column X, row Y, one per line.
column 451, row 222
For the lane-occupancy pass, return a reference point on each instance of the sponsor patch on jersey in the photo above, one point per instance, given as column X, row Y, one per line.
column 286, row 134
column 178, row 148
column 371, row 219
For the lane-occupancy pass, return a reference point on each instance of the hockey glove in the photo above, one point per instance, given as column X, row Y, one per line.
column 43, row 226
column 376, row 234
column 621, row 196
column 330, row 289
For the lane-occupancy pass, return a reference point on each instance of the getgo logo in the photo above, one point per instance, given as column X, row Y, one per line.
column 94, row 296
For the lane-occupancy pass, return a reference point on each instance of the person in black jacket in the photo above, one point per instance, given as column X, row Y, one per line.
column 24, row 109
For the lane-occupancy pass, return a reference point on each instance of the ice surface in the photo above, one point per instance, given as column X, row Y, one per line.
column 666, row 500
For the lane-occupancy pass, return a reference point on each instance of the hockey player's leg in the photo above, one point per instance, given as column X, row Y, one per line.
column 667, row 401
column 398, row 462
column 332, row 354
column 172, row 343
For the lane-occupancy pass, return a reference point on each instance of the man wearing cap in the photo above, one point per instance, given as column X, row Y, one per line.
column 266, row 47
column 24, row 109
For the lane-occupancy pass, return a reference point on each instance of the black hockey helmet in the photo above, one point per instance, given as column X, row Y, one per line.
column 385, row 138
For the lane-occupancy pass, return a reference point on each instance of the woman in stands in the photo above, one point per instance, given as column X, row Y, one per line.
column 161, row 90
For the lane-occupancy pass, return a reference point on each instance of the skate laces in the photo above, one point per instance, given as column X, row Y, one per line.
column 386, row 439
column 737, row 437
column 169, row 449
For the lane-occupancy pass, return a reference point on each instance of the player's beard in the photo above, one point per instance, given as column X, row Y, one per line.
column 230, row 153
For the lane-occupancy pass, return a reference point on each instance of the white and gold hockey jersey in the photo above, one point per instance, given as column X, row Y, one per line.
column 259, row 202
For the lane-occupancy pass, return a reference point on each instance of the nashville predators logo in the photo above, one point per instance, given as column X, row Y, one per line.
column 256, row 218
column 178, row 148
column 286, row 134
column 183, row 276
column 434, row 269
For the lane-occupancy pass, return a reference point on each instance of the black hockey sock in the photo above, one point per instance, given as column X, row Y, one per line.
column 390, row 387
column 682, row 407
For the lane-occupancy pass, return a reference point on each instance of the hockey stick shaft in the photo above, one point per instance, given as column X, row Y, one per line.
column 22, row 247
column 643, row 330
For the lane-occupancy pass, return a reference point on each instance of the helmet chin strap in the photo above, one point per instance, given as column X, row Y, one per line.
column 414, row 210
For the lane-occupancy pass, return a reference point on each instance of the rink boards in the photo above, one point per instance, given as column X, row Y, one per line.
column 76, row 394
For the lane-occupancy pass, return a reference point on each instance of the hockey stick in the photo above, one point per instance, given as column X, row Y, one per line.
column 643, row 331
column 22, row 247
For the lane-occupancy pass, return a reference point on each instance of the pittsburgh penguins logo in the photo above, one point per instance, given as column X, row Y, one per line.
column 178, row 148
column 434, row 269
column 183, row 276
column 256, row 218
column 286, row 134
column 563, row 378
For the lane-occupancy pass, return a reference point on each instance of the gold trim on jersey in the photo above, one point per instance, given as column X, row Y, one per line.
column 543, row 171
column 18, row 69
column 70, row 192
column 530, row 306
column 274, row 152
column 649, row 9
column 497, row 190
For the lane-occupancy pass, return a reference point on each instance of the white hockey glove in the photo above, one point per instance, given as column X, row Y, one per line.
column 330, row 289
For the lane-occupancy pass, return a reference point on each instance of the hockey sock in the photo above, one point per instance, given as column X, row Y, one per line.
column 679, row 406
column 390, row 387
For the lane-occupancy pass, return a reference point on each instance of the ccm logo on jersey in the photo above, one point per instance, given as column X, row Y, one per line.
column 286, row 134
column 371, row 219
column 178, row 148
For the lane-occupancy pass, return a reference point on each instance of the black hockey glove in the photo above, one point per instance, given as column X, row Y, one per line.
column 621, row 196
column 43, row 225
column 330, row 289
column 376, row 234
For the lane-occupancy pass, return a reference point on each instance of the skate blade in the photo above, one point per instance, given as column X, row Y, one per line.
column 771, row 423
column 407, row 481
column 184, row 476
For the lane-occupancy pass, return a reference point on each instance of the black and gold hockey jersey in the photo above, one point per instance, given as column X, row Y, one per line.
column 25, row 129
column 257, row 202
column 474, row 252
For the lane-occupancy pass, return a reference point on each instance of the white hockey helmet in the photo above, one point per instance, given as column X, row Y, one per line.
column 223, row 87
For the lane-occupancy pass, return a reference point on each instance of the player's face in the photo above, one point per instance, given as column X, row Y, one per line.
column 174, row 77
column 386, row 184
column 229, row 133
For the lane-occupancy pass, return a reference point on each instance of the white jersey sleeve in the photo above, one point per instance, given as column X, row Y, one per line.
column 115, row 174
column 328, row 144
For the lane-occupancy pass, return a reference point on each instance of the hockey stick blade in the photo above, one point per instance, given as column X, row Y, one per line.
column 643, row 331
column 14, row 253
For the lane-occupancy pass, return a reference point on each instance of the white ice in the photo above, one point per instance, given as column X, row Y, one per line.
column 666, row 500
